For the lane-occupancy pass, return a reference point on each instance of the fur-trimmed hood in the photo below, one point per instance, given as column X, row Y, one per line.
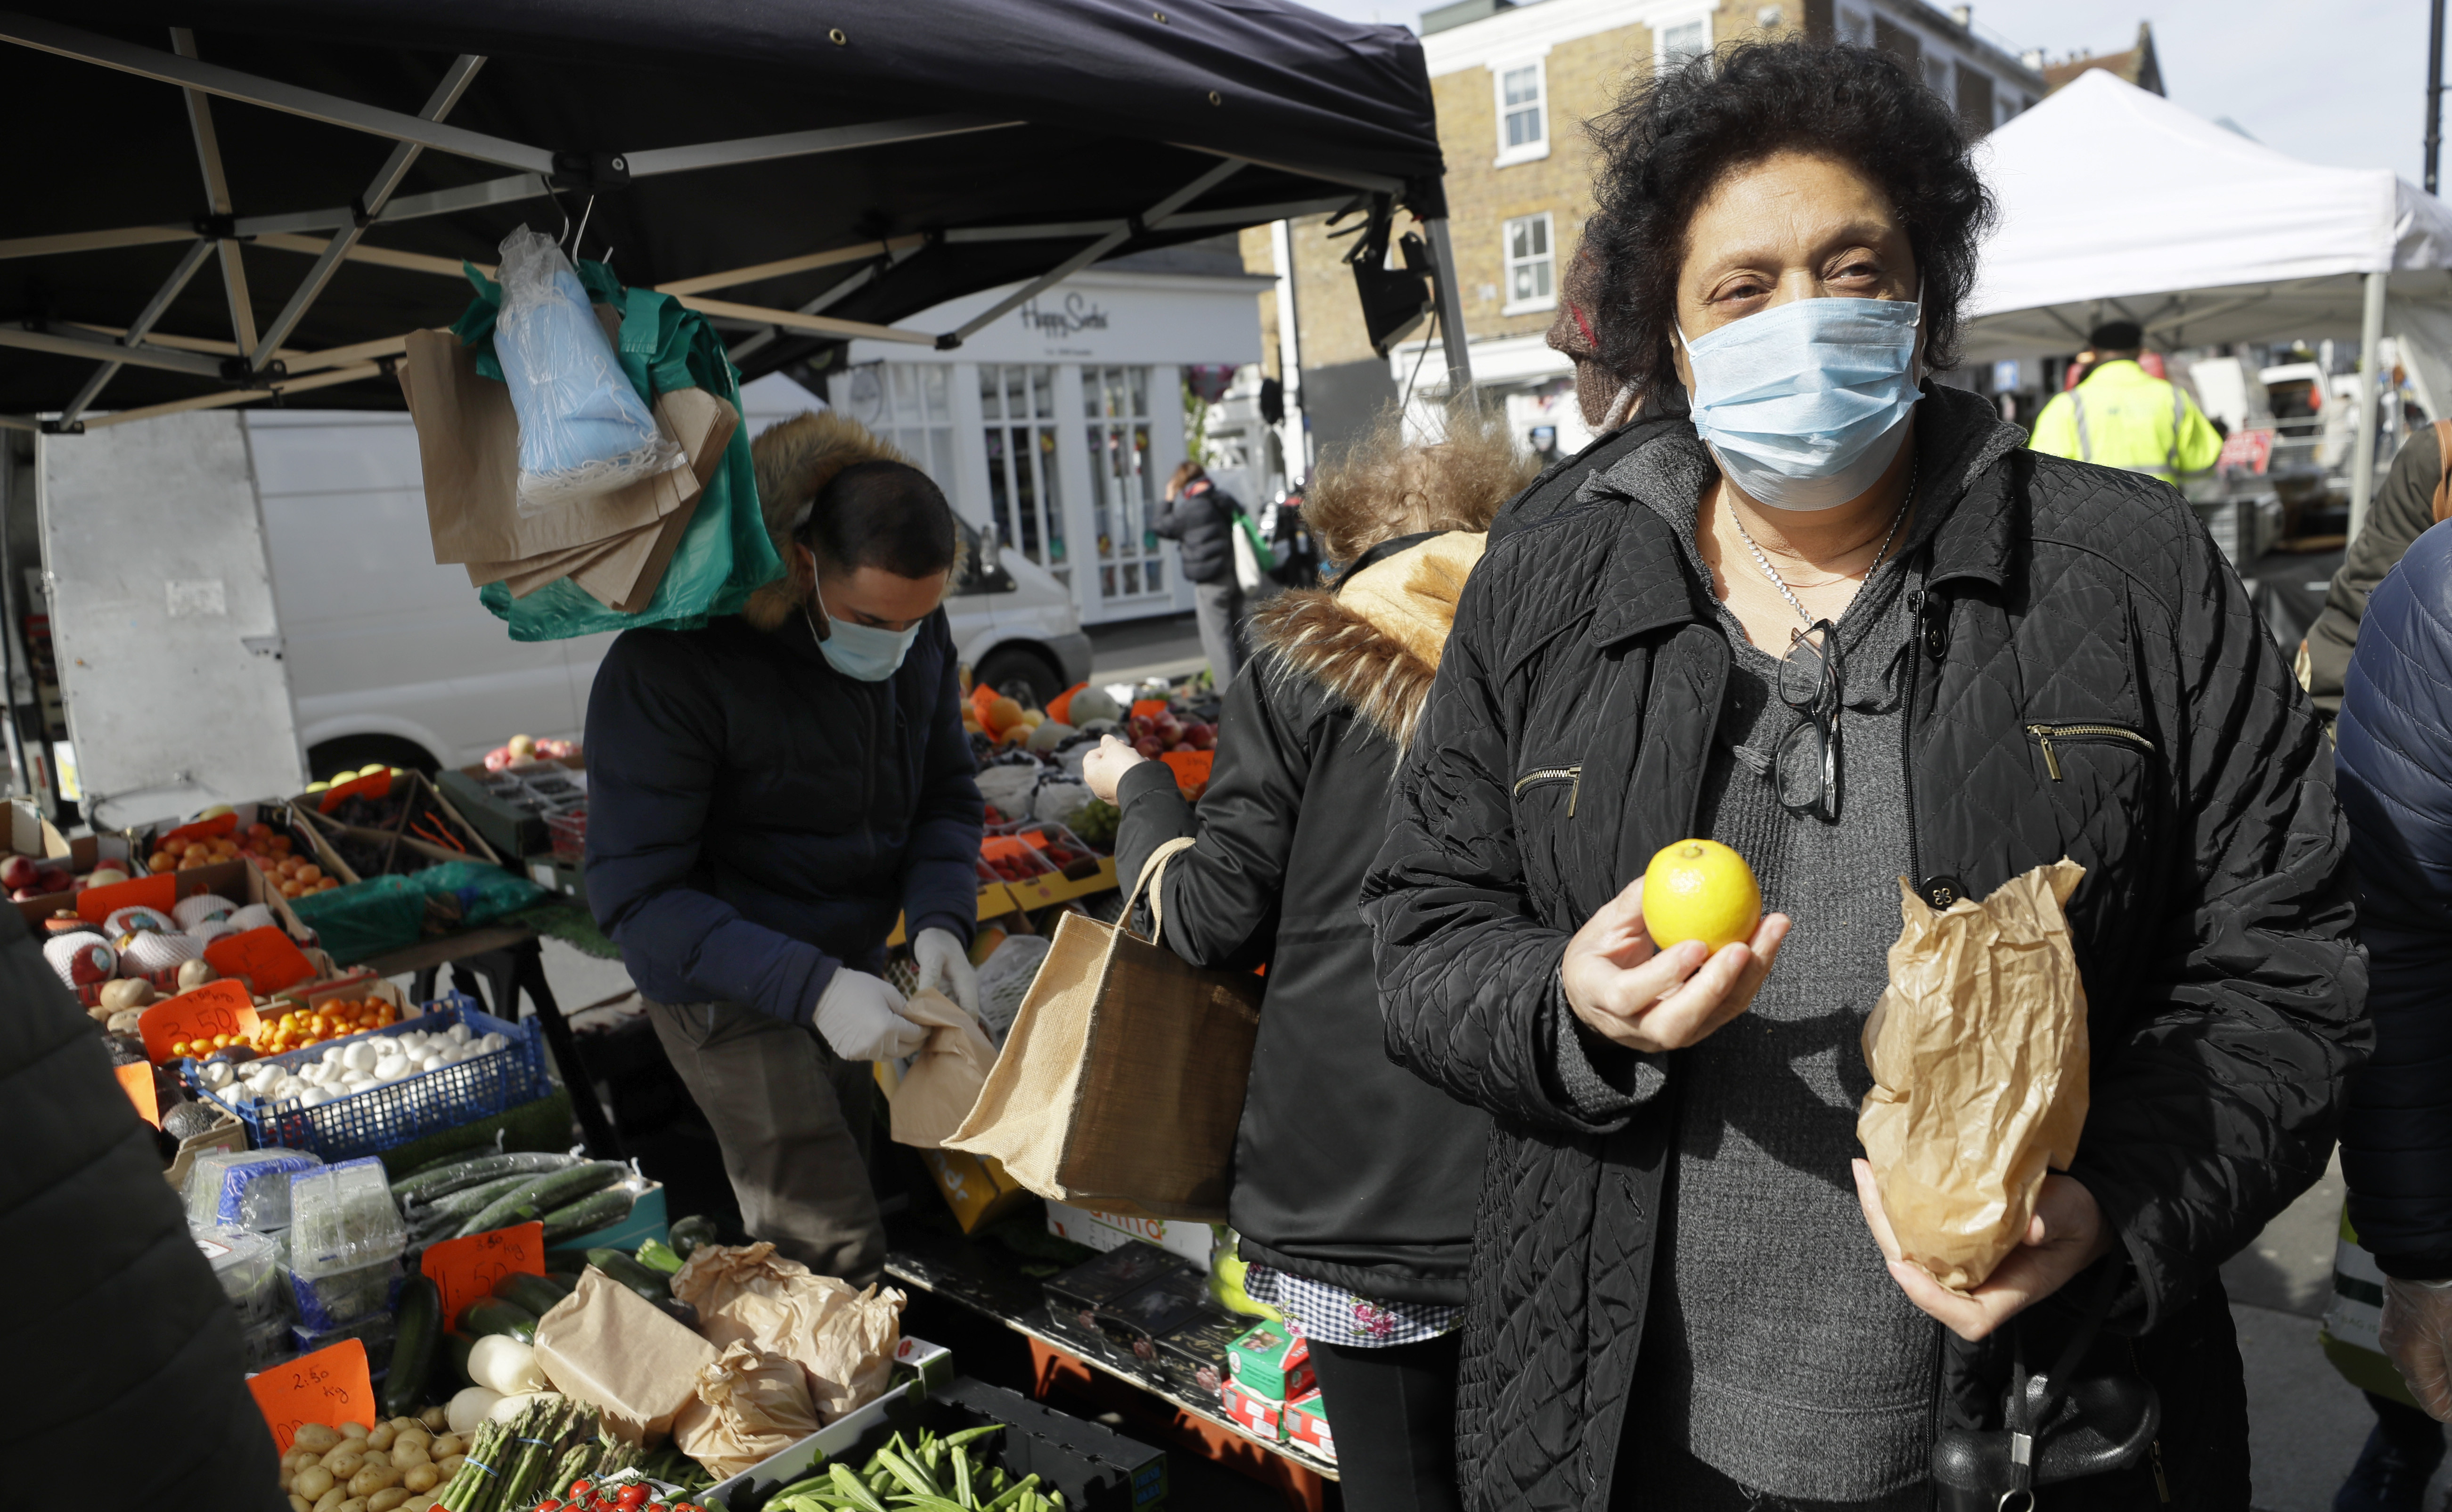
column 795, row 459
column 1375, row 640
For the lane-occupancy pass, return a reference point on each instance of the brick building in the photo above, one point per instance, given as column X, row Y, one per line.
column 1515, row 84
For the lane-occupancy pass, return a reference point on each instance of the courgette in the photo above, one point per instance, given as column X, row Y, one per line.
column 459, row 1346
column 657, row 1254
column 413, row 1349
column 568, row 1280
column 693, row 1231
column 587, row 1215
column 491, row 1315
column 532, row 1201
column 427, row 1185
column 534, row 1293
column 650, row 1284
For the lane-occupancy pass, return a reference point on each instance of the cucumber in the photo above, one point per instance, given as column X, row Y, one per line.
column 587, row 1215
column 458, row 1346
column 491, row 1315
column 621, row 1268
column 534, row 1293
column 566, row 1281
column 405, row 1389
column 462, row 1205
column 693, row 1231
column 657, row 1254
column 533, row 1200
column 427, row 1185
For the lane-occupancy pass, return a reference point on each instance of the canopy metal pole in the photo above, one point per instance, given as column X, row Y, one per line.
column 209, row 155
column 1450, row 301
column 144, row 322
column 455, row 83
column 2363, row 444
column 1095, row 250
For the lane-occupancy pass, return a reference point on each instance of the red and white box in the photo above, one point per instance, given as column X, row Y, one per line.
column 1256, row 1414
column 1305, row 1422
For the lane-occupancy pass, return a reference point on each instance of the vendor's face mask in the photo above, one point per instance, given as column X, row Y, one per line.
column 1805, row 404
column 863, row 651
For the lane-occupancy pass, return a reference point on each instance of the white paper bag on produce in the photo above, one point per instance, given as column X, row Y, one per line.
column 623, row 1355
column 750, row 1405
column 843, row 1339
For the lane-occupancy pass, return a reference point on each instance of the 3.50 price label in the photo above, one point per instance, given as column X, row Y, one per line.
column 329, row 1386
column 466, row 1270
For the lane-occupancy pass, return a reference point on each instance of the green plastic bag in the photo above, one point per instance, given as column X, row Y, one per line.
column 365, row 918
column 726, row 555
column 485, row 894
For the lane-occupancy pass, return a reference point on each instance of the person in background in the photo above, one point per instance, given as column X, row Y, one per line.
column 1353, row 1183
column 2119, row 416
column 2394, row 769
column 1199, row 518
column 127, row 1320
column 2413, row 498
column 766, row 794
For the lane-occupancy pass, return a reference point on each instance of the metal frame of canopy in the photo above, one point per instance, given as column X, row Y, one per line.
column 254, row 364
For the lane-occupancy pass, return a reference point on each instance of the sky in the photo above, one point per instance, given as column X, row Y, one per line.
column 2342, row 82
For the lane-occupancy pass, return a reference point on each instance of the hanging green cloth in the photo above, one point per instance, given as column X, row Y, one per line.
column 726, row 555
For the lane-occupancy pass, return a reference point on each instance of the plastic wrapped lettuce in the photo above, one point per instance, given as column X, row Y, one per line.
column 583, row 429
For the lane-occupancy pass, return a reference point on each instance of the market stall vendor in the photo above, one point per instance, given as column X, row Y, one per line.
column 766, row 794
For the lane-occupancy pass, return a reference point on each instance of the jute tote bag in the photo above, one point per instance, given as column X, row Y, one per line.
column 1123, row 1078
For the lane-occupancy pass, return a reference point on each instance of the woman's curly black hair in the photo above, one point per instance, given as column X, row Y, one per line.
column 1674, row 135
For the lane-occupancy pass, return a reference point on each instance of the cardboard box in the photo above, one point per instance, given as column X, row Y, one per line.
column 417, row 797
column 1252, row 1414
column 1135, row 1321
column 1193, row 1358
column 1101, row 1230
column 1305, row 1421
column 228, row 1134
column 238, row 881
column 977, row 1188
column 1271, row 1361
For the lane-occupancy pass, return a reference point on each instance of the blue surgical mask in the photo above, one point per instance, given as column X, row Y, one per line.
column 1805, row 404
column 861, row 650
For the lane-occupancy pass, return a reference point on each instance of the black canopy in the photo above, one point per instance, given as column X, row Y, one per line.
column 892, row 153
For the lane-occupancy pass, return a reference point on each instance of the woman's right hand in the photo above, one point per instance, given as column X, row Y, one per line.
column 1105, row 767
column 1633, row 993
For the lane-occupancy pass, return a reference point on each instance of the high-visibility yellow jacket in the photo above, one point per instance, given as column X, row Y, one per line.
column 2121, row 417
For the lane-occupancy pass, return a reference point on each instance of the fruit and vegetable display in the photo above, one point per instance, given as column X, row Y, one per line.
column 362, row 1065
column 930, row 1472
column 522, row 749
column 26, row 879
column 1031, row 760
column 331, row 1019
column 122, row 963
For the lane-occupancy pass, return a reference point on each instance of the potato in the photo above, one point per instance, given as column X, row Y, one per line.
column 298, row 1503
column 354, row 1430
column 407, row 1451
column 316, row 1437
column 311, row 1482
column 376, row 1456
column 355, row 1504
column 404, row 1424
column 386, row 1500
column 346, row 1461
column 330, row 1500
column 451, row 1466
column 436, row 1419
column 372, row 1479
column 447, row 1445
column 379, row 1437
column 420, row 1478
column 415, row 1433
column 416, row 1503
column 299, row 1457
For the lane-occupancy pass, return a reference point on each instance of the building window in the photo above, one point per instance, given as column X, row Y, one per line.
column 1975, row 99
column 1684, row 41
column 1116, row 403
column 1936, row 76
column 1532, row 270
column 1019, row 403
column 909, row 404
column 1898, row 42
column 1523, row 114
column 1855, row 28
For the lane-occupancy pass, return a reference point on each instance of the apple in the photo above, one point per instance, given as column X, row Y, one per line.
column 1168, row 728
column 1148, row 746
column 19, row 871
column 1141, row 725
column 103, row 877
column 25, row 894
column 1200, row 736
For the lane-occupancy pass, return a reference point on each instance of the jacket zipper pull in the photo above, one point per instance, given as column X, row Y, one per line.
column 1575, row 790
column 2162, row 1487
column 2043, row 734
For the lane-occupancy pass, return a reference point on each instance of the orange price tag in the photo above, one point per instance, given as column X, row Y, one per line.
column 374, row 785
column 1003, row 848
column 265, row 957
column 1148, row 706
column 217, row 1008
column 137, row 1082
column 466, row 1270
column 329, row 1386
column 1191, row 767
column 95, row 904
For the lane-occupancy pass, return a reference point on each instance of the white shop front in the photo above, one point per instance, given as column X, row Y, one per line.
column 1059, row 424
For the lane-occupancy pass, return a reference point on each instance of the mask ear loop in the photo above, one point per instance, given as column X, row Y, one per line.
column 818, row 593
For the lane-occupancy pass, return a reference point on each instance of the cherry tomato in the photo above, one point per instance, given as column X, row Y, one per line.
column 632, row 1496
column 582, row 1490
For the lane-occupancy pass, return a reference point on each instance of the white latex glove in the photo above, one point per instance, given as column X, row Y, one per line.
column 945, row 965
column 2418, row 1334
column 862, row 1017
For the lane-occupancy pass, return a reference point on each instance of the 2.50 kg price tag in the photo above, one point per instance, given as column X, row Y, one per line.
column 217, row 1008
column 329, row 1386
column 466, row 1270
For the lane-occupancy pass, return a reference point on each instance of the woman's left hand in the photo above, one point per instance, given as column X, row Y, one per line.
column 1104, row 767
column 2065, row 1235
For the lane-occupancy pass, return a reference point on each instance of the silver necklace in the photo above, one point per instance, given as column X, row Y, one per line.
column 1781, row 583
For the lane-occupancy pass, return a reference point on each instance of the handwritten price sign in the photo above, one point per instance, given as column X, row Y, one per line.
column 217, row 1008
column 137, row 1082
column 266, row 958
column 95, row 904
column 329, row 1386
column 466, row 1270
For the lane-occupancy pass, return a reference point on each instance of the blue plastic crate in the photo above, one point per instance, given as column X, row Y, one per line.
column 372, row 1122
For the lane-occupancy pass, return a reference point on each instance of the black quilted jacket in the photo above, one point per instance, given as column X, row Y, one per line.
column 1563, row 744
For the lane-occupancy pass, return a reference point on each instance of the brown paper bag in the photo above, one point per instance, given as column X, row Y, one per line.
column 1122, row 1078
column 750, row 1404
column 842, row 1340
column 1978, row 1051
column 945, row 1079
column 622, row 1355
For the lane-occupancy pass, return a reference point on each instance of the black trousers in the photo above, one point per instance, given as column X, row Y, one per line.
column 1392, row 1411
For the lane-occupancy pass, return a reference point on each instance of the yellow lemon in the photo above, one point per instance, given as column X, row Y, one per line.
column 1700, row 890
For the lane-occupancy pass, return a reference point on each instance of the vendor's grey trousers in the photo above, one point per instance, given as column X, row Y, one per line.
column 1219, row 607
column 793, row 1119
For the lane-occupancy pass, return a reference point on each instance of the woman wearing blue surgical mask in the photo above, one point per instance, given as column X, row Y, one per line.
column 1842, row 621
column 768, row 793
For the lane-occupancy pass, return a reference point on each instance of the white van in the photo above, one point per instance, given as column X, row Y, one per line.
column 392, row 659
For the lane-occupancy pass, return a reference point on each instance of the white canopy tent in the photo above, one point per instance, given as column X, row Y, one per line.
column 2117, row 203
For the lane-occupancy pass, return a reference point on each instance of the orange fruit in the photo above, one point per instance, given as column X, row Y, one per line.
column 1003, row 715
column 1700, row 890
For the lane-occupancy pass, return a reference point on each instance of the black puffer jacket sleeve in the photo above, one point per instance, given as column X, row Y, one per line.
column 2395, row 779
column 1468, row 974
column 127, row 1325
